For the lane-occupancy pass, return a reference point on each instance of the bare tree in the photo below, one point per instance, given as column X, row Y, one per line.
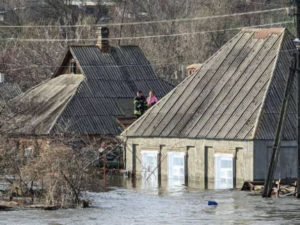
column 54, row 171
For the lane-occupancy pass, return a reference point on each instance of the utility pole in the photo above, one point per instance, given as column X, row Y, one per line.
column 277, row 141
column 295, row 69
column 297, row 41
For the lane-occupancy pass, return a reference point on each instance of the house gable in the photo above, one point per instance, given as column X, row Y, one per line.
column 224, row 99
column 65, row 67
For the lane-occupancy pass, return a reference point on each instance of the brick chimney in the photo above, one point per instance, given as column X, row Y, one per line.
column 102, row 42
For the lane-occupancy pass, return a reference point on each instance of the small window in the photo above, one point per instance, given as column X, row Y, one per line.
column 149, row 169
column 73, row 67
column 28, row 152
column 176, row 169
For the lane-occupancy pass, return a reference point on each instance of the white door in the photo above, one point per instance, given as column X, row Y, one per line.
column 149, row 168
column 176, row 171
column 223, row 171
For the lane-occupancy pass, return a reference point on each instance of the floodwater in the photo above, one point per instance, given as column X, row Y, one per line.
column 138, row 206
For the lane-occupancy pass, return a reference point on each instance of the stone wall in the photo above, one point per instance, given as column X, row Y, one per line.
column 200, row 154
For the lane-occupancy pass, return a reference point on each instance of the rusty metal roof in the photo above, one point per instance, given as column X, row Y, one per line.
column 235, row 95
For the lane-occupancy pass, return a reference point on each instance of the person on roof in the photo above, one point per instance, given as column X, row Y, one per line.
column 140, row 104
column 151, row 100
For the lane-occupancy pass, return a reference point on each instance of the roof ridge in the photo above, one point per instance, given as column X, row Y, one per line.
column 262, row 33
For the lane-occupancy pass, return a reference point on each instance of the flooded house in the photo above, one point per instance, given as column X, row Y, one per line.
column 216, row 129
column 90, row 95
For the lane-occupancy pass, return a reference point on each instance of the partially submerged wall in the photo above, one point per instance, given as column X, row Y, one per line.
column 287, row 162
column 200, row 158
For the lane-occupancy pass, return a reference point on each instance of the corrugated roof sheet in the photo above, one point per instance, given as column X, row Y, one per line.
column 87, row 103
column 270, row 112
column 112, row 79
column 236, row 94
column 35, row 111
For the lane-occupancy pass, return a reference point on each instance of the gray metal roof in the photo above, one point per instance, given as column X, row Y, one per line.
column 94, row 104
column 112, row 79
column 236, row 94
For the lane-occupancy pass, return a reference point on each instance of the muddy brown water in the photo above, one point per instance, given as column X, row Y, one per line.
column 180, row 205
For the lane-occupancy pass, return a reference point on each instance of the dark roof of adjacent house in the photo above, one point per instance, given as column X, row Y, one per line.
column 95, row 99
column 235, row 95
column 8, row 91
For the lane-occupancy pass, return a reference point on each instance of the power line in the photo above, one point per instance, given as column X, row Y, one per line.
column 260, row 3
column 145, row 37
column 291, row 50
column 148, row 22
column 91, row 66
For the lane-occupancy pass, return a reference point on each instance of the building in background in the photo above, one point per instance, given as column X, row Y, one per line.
column 90, row 94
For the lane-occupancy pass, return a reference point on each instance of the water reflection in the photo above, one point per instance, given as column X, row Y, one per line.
column 181, row 205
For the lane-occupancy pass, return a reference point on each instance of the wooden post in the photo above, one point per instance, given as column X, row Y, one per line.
column 134, row 161
column 206, row 167
column 297, row 14
column 186, row 167
column 159, row 166
column 234, row 167
column 276, row 146
column 104, row 169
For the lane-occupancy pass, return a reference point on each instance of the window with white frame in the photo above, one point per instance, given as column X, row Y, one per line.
column 223, row 171
column 149, row 168
column 176, row 168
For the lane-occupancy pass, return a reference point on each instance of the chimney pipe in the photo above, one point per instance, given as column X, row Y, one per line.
column 102, row 42
column 2, row 77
